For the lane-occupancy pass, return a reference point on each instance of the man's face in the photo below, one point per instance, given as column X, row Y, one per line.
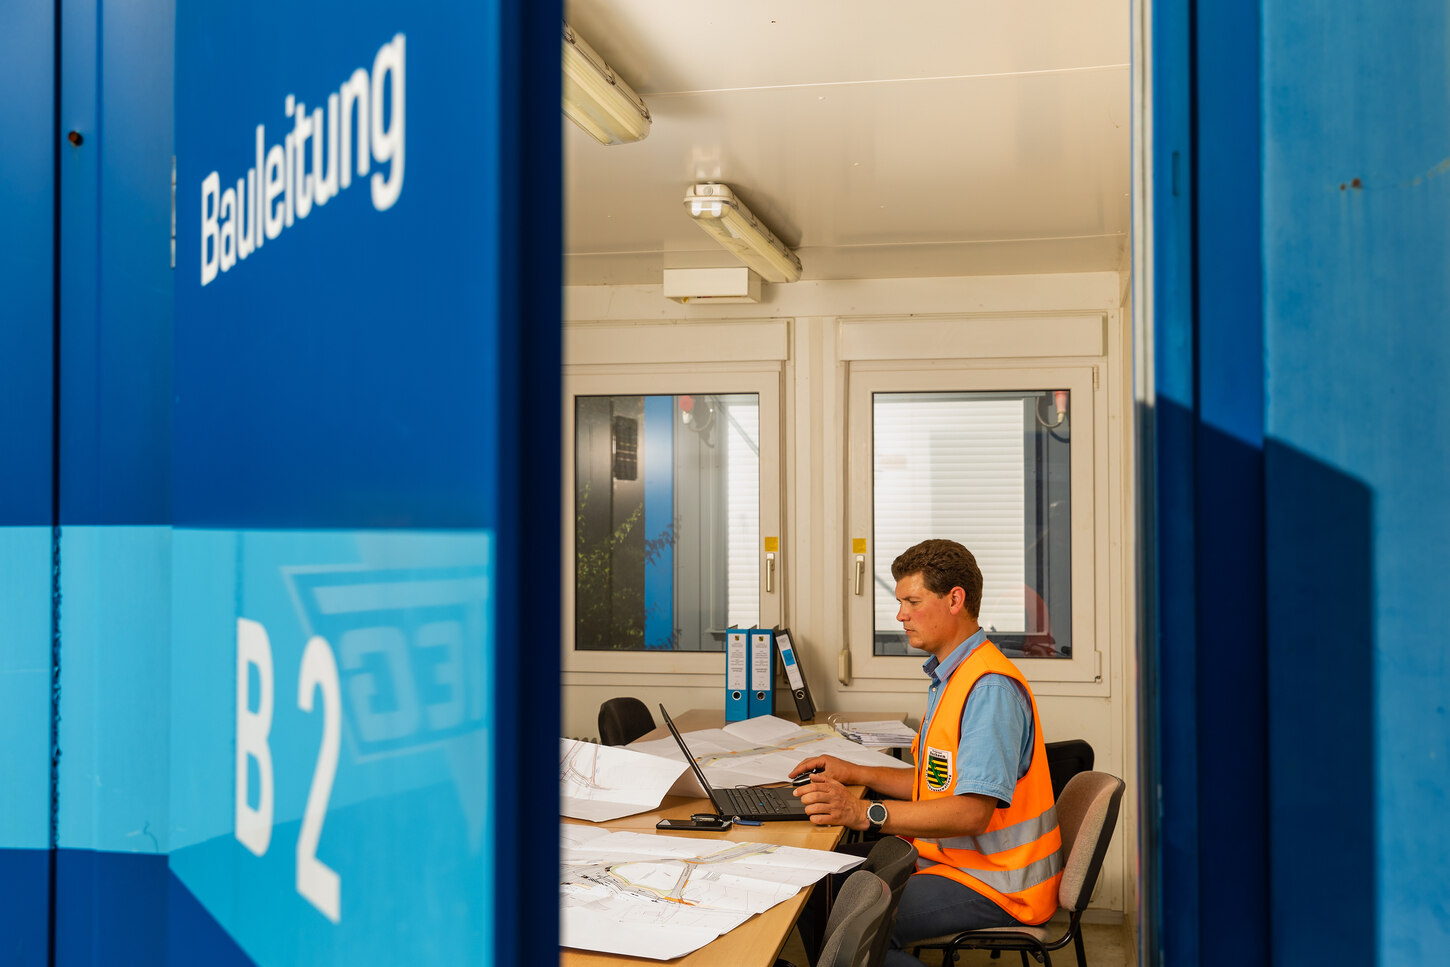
column 931, row 621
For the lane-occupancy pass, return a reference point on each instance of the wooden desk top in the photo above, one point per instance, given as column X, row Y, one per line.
column 756, row 942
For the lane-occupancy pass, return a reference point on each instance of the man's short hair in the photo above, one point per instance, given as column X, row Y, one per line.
column 943, row 565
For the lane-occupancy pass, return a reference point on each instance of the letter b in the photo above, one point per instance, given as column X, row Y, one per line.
column 210, row 187
column 254, row 826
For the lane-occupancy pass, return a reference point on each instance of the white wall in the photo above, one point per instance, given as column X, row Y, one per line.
column 813, row 316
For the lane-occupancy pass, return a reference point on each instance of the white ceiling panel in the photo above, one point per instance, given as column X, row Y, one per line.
column 962, row 140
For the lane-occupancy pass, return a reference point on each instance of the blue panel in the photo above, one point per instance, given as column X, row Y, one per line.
column 27, row 76
column 189, row 928
column 24, row 905
column 1358, row 345
column 115, row 263
column 1321, row 721
column 529, row 198
column 1229, row 465
column 27, row 194
column 25, row 554
column 111, row 908
column 405, row 619
column 659, row 521
column 114, row 740
column 344, row 373
column 1168, row 726
column 115, row 627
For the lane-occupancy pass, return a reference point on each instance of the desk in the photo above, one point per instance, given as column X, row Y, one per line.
column 756, row 942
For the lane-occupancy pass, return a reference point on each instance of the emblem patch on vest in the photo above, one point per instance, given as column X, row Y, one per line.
column 938, row 769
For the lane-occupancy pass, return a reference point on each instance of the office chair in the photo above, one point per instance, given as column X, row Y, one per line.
column 1086, row 815
column 857, row 917
column 1066, row 759
column 893, row 859
column 622, row 720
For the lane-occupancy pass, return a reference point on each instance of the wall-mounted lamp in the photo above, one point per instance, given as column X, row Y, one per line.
column 596, row 99
column 716, row 210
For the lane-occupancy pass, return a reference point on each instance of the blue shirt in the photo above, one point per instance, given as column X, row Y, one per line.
column 997, row 730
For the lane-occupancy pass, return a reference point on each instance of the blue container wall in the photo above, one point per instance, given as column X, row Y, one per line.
column 1302, row 720
column 288, row 495
column 114, row 400
column 1357, row 242
column 27, row 165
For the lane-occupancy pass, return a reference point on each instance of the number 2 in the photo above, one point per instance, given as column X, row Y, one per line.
column 316, row 881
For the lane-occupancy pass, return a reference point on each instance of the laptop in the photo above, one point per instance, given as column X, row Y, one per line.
column 761, row 804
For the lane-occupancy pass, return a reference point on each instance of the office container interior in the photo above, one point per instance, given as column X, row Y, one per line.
column 955, row 360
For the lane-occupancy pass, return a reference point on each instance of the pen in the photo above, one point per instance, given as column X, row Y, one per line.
column 746, row 822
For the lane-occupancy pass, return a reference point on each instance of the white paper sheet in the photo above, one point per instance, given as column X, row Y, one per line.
column 600, row 782
column 662, row 897
column 757, row 751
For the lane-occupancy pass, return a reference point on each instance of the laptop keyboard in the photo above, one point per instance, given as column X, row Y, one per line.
column 752, row 801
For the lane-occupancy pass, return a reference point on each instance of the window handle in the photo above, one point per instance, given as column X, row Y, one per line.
column 860, row 574
column 770, row 574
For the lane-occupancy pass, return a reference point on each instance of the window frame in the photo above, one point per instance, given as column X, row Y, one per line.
column 1087, row 472
column 764, row 380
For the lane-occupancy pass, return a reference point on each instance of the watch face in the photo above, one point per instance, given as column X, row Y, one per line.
column 876, row 813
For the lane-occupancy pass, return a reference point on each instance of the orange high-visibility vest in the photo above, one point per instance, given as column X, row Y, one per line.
column 1016, row 863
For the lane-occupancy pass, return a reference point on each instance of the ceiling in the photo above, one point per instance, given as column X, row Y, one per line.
column 878, row 140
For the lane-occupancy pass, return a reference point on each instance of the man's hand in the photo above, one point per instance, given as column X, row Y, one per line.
column 829, row 803
column 831, row 768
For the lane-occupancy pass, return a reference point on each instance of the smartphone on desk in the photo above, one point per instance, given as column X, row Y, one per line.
column 711, row 824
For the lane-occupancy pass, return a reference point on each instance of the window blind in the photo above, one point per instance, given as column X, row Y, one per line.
column 946, row 465
column 742, row 456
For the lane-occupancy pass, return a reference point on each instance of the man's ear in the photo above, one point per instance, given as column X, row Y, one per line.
column 956, row 600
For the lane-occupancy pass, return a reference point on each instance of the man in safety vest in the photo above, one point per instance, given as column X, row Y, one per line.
column 978, row 806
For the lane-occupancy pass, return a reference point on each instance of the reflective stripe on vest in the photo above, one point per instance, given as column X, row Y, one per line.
column 1001, row 840
column 1010, row 881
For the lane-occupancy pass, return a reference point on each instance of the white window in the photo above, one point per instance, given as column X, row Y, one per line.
column 666, row 520
column 1000, row 460
column 671, row 498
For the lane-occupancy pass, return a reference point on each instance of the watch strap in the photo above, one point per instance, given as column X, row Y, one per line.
column 875, row 825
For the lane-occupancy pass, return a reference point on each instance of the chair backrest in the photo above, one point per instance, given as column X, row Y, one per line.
column 1066, row 759
column 622, row 720
column 1087, row 813
column 893, row 859
column 857, row 917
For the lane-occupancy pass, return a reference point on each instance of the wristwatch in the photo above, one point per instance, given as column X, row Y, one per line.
column 876, row 815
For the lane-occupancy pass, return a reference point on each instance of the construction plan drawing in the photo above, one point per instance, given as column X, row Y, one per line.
column 601, row 782
column 756, row 751
column 662, row 897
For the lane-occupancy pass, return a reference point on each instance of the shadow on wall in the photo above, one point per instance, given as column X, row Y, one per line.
column 1260, row 709
column 1321, row 712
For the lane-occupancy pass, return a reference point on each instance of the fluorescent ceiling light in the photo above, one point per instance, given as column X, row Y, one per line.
column 716, row 210
column 596, row 99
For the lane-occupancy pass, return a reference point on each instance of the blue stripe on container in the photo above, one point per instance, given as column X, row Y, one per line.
column 658, row 467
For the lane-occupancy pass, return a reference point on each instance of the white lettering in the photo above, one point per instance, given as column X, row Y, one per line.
column 388, row 141
column 301, row 180
column 257, row 196
column 324, row 177
column 253, row 826
column 367, row 109
column 274, row 216
column 209, row 252
column 354, row 93
column 246, row 214
column 229, row 229
column 317, row 882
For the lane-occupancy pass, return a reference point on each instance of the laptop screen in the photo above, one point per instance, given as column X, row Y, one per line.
column 699, row 773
